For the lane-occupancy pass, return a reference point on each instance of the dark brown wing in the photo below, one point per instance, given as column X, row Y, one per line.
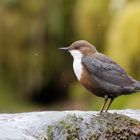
column 107, row 70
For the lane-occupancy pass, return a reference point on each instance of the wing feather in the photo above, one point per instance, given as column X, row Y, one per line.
column 105, row 69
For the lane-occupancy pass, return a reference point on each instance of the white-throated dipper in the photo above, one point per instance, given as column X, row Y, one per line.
column 99, row 74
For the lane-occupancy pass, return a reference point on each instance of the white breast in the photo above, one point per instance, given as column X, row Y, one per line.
column 77, row 65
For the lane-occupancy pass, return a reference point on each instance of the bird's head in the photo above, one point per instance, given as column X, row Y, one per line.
column 80, row 48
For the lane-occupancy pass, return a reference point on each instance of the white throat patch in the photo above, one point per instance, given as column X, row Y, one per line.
column 76, row 54
column 77, row 65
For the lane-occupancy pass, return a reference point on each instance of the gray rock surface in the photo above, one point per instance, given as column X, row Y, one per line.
column 71, row 125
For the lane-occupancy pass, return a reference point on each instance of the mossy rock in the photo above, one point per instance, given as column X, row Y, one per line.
column 106, row 126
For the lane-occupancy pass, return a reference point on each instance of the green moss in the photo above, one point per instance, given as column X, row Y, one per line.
column 115, row 126
column 72, row 130
column 105, row 126
column 49, row 132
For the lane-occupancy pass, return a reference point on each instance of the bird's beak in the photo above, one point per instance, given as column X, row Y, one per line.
column 65, row 49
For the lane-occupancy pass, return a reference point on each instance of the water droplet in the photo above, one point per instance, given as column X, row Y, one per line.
column 36, row 54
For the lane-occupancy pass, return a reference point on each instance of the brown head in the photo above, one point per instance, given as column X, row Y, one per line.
column 80, row 47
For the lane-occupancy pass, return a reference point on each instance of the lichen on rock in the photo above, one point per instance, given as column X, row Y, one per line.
column 106, row 126
column 71, row 125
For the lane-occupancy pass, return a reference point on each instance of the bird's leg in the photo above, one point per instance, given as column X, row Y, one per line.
column 105, row 101
column 109, row 104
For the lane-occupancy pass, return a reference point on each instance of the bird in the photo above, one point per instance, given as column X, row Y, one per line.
column 99, row 74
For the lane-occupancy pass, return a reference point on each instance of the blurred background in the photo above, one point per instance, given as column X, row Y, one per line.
column 35, row 75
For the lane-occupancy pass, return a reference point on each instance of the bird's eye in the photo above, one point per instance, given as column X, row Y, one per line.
column 76, row 47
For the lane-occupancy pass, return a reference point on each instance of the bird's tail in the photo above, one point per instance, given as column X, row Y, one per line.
column 137, row 86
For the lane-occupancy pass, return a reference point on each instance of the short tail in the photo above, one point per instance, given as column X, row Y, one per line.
column 137, row 86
